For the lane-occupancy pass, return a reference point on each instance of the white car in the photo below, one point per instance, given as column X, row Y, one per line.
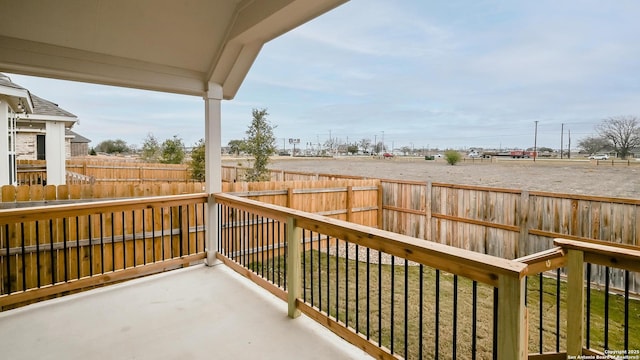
column 599, row 157
column 438, row 156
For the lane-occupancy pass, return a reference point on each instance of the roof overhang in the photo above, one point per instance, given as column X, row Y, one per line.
column 14, row 97
column 163, row 45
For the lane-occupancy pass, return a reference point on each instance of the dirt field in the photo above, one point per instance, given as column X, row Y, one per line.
column 572, row 177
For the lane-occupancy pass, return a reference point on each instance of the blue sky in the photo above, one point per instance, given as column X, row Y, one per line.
column 420, row 73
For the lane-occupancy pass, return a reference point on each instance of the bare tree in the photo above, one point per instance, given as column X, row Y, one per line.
column 622, row 132
column 365, row 144
column 593, row 144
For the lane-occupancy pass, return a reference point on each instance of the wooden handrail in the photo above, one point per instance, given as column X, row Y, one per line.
column 619, row 256
column 8, row 216
column 544, row 261
column 473, row 265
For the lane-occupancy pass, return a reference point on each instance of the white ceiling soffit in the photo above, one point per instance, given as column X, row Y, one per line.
column 176, row 46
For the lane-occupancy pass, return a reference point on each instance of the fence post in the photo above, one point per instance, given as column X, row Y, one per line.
column 524, row 224
column 294, row 282
column 575, row 302
column 512, row 322
column 380, row 208
column 349, row 203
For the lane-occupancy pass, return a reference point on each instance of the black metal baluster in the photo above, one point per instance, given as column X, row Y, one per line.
column 319, row 274
column 188, row 230
column 455, row 317
column 541, row 311
column 101, row 244
column 170, row 232
column 64, row 245
column 195, row 217
column 357, row 260
column 588, row 311
column 328, row 276
column 144, row 239
column 242, row 239
column 626, row 309
column 420, row 310
column 262, row 245
column 337, row 279
column 311, row 266
column 254, row 237
column 393, row 291
column 406, row 307
column 285, row 258
column 606, row 309
column 437, row 315
column 133, row 237
column 77, row 249
column 279, row 257
column 23, row 254
column 495, row 323
column 113, row 243
column 368, row 293
column 162, row 232
column 52, row 253
column 90, row 232
column 153, row 234
column 271, row 248
column 39, row 279
column 558, row 310
column 346, row 282
column 304, row 268
column 8, row 257
column 124, row 243
column 474, row 319
column 379, row 298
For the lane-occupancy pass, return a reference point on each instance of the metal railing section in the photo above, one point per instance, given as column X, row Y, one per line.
column 49, row 250
column 389, row 294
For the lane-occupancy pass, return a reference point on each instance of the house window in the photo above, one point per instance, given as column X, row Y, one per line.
column 40, row 147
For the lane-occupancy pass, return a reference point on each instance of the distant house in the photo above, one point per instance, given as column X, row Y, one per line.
column 32, row 128
column 79, row 145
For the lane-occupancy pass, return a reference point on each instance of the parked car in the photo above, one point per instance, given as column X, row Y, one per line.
column 599, row 157
column 438, row 156
column 387, row 155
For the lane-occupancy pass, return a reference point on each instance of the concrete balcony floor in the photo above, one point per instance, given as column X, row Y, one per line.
column 194, row 313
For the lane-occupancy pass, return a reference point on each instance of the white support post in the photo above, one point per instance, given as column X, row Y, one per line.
column 213, row 164
column 4, row 143
column 55, row 153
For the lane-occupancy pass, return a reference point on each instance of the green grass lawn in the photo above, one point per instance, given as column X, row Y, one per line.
column 348, row 303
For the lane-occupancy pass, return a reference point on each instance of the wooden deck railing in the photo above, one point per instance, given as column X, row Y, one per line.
column 48, row 250
column 249, row 231
column 586, row 331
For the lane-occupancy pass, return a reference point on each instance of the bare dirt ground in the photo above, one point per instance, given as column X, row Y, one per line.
column 571, row 177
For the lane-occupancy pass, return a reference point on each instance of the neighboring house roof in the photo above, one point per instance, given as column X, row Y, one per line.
column 6, row 81
column 77, row 138
column 46, row 107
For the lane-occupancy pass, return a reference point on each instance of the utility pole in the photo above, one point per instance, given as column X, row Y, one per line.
column 561, row 140
column 375, row 143
column 569, row 146
column 535, row 143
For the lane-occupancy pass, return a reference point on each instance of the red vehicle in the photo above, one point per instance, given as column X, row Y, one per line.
column 387, row 155
column 519, row 154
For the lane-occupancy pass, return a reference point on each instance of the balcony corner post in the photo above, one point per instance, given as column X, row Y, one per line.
column 512, row 319
column 294, row 282
column 575, row 302
column 213, row 164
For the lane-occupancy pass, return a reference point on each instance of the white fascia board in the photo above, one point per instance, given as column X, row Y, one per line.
column 67, row 120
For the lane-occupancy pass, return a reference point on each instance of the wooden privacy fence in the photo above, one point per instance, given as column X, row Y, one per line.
column 108, row 170
column 38, row 193
column 508, row 223
column 234, row 174
column 48, row 250
column 356, row 201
